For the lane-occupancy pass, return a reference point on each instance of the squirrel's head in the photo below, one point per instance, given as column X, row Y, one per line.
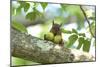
column 56, row 26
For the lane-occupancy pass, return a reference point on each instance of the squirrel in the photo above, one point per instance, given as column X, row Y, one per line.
column 55, row 34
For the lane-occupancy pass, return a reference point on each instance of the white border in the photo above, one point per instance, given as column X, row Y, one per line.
column 5, row 34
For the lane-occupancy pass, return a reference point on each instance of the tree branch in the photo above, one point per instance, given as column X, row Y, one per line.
column 87, row 21
column 26, row 22
column 34, row 49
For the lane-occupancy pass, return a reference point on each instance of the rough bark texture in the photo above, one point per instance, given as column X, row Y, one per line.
column 38, row 50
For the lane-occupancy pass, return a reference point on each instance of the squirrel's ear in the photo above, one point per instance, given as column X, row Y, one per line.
column 53, row 22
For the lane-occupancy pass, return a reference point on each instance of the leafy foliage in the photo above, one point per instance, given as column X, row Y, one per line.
column 82, row 39
column 72, row 40
column 19, row 61
column 74, row 31
column 86, row 46
column 18, row 10
column 66, row 31
column 33, row 15
column 82, row 34
column 24, row 5
column 18, row 26
column 44, row 5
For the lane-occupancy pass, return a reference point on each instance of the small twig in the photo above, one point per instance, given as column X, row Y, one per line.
column 87, row 21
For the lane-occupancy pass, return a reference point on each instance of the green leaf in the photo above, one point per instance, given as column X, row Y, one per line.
column 82, row 34
column 26, row 6
column 92, row 18
column 33, row 15
column 74, row 31
column 18, row 26
column 72, row 40
column 18, row 61
column 44, row 5
column 86, row 46
column 18, row 10
column 81, row 41
column 65, row 31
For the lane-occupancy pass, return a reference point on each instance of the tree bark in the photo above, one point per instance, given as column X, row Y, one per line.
column 41, row 51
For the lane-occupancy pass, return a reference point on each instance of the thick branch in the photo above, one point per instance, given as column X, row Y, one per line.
column 87, row 21
column 34, row 49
